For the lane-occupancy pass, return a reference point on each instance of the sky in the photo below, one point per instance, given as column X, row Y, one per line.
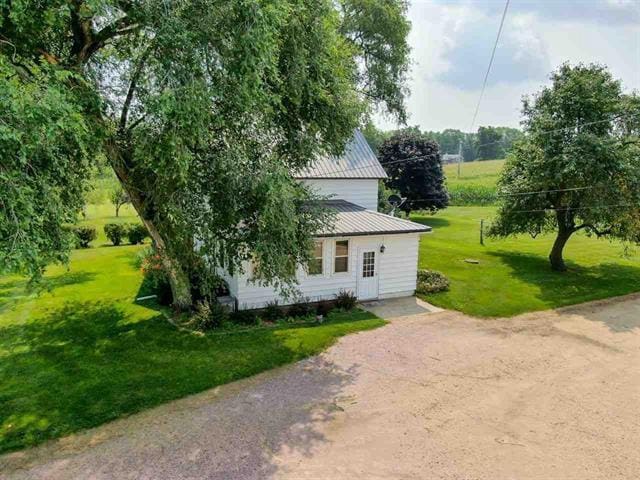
column 451, row 43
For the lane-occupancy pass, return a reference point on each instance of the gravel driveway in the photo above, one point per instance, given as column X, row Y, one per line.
column 551, row 395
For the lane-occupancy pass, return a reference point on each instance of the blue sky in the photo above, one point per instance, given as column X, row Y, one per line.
column 452, row 42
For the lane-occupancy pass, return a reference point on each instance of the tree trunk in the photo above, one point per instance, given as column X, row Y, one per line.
column 555, row 257
column 117, row 210
column 178, row 277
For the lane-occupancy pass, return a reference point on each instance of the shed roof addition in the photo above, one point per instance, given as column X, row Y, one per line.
column 357, row 161
column 354, row 220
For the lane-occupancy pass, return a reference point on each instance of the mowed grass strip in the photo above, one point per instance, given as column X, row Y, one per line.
column 513, row 275
column 84, row 353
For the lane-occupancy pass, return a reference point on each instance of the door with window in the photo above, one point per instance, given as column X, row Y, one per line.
column 367, row 274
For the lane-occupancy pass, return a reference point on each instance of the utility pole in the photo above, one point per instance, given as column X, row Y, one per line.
column 459, row 156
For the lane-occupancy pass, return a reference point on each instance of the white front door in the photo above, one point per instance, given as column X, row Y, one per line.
column 367, row 274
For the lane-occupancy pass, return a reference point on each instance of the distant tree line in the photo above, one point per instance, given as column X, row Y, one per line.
column 488, row 143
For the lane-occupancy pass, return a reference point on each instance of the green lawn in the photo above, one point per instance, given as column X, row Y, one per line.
column 99, row 215
column 513, row 275
column 83, row 352
column 481, row 173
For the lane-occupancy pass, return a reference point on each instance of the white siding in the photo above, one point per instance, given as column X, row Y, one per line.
column 399, row 265
column 232, row 281
column 363, row 192
column 397, row 268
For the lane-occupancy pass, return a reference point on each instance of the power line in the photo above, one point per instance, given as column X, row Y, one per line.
column 486, row 75
column 545, row 132
column 545, row 191
column 429, row 197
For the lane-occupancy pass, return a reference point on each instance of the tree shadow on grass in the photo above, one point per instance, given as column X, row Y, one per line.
column 577, row 285
column 19, row 287
column 431, row 221
column 89, row 363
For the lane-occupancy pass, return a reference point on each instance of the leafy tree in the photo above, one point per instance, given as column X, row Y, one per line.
column 489, row 142
column 202, row 108
column 413, row 165
column 581, row 153
column 469, row 153
column 374, row 136
column 119, row 198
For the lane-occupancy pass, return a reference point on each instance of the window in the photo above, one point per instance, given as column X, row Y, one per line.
column 368, row 264
column 315, row 264
column 341, row 261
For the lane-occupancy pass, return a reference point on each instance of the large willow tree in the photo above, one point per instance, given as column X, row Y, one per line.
column 201, row 107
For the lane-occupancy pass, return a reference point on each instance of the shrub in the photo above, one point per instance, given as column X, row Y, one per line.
column 84, row 235
column 156, row 280
column 430, row 281
column 302, row 308
column 346, row 300
column 323, row 308
column 272, row 311
column 208, row 316
column 115, row 232
column 244, row 317
column 136, row 233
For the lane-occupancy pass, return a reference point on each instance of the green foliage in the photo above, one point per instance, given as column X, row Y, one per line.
column 513, row 275
column 346, row 300
column 46, row 146
column 244, row 317
column 488, row 143
column 115, row 232
column 208, row 316
column 470, row 194
column 118, row 197
column 302, row 308
column 203, row 109
column 414, row 168
column 84, row 235
column 272, row 311
column 581, row 151
column 430, row 281
column 324, row 307
column 156, row 281
column 136, row 233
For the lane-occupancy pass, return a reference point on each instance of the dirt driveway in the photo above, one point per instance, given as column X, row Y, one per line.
column 553, row 395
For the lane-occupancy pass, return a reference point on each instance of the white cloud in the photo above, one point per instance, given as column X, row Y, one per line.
column 452, row 42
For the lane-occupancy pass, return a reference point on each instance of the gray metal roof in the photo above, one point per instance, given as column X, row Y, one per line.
column 353, row 220
column 357, row 161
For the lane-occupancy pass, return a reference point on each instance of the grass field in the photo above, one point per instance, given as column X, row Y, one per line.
column 476, row 184
column 484, row 174
column 83, row 352
column 513, row 275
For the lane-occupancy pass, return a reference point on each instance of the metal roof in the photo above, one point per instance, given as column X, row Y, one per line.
column 357, row 161
column 353, row 220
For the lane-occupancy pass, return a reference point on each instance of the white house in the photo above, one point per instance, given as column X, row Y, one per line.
column 367, row 252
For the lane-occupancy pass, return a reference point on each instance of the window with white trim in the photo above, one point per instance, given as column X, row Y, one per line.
column 341, row 256
column 314, row 266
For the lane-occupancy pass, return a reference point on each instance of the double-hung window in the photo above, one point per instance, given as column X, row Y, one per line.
column 341, row 256
column 315, row 264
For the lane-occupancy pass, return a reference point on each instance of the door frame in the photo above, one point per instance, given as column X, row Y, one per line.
column 359, row 264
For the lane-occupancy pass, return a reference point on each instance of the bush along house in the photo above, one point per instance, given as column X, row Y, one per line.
column 368, row 253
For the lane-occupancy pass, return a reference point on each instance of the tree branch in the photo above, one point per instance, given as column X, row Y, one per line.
column 599, row 233
column 86, row 41
column 132, row 88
